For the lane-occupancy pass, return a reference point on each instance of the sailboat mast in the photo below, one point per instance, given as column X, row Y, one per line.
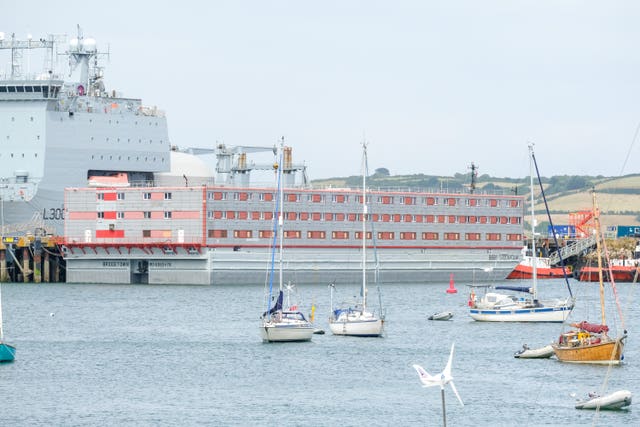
column 596, row 218
column 281, row 213
column 364, row 226
column 534, row 259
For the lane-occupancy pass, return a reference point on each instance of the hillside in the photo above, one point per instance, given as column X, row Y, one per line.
column 617, row 197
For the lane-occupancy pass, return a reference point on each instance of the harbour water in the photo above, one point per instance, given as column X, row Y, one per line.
column 185, row 355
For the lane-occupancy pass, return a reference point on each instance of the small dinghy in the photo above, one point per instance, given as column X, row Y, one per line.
column 444, row 315
column 534, row 353
column 616, row 400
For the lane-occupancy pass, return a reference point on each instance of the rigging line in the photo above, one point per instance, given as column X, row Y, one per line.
column 633, row 141
column 555, row 239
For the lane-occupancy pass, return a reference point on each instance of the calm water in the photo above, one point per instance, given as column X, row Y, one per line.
column 171, row 355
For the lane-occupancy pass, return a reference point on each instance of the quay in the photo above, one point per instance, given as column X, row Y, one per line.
column 31, row 258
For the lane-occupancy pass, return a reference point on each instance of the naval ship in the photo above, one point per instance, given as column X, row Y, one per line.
column 60, row 127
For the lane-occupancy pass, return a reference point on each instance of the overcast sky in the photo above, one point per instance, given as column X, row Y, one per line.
column 431, row 85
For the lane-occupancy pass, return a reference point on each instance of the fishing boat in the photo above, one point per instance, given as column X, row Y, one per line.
column 357, row 319
column 7, row 351
column 617, row 400
column 591, row 342
column 534, row 353
column 543, row 267
column 501, row 307
column 277, row 323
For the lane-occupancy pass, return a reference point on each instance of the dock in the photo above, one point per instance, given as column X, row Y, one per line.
column 31, row 258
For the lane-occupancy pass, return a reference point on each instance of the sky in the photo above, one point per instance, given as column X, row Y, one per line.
column 432, row 86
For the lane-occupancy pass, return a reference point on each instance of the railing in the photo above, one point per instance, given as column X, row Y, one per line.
column 572, row 249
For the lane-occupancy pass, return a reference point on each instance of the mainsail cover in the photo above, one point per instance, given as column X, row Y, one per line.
column 277, row 306
column 591, row 327
column 525, row 289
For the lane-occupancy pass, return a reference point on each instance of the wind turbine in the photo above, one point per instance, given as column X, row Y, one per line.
column 441, row 379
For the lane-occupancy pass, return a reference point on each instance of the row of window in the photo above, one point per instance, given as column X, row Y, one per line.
column 345, row 235
column 330, row 216
column 385, row 200
column 145, row 196
column 337, row 217
column 338, row 198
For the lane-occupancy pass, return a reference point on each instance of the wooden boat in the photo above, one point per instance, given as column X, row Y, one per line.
column 616, row 400
column 534, row 353
column 443, row 315
column 590, row 342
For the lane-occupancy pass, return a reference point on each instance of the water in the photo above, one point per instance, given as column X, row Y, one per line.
column 171, row 355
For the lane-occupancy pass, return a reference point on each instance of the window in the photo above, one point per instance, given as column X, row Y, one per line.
column 147, row 215
column 167, row 215
column 472, row 236
column 316, row 234
column 493, row 236
column 167, row 196
column 451, row 236
column 339, row 234
column 146, row 233
column 292, row 234
column 120, row 215
column 265, row 234
column 242, row 234
column 359, row 235
column 512, row 237
column 386, row 235
column 101, row 215
column 217, row 234
column 146, row 196
column 427, row 235
column 120, row 196
column 100, row 196
column 408, row 235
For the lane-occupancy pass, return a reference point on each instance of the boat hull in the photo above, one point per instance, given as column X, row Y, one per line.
column 535, row 353
column 285, row 333
column 526, row 272
column 616, row 400
column 7, row 352
column 357, row 328
column 625, row 273
column 608, row 353
column 544, row 314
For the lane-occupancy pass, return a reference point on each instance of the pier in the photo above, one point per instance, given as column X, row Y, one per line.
column 31, row 258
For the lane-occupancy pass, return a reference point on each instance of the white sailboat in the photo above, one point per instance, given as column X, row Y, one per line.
column 356, row 319
column 277, row 323
column 7, row 351
column 500, row 307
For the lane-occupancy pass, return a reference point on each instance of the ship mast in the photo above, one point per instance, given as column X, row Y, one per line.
column 596, row 218
column 534, row 260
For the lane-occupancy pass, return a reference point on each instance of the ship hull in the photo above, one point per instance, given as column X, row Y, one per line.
column 607, row 353
column 246, row 266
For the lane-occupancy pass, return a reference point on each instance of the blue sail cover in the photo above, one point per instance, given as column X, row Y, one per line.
column 277, row 306
column 525, row 289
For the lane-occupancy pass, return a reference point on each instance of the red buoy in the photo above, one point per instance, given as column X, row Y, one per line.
column 452, row 287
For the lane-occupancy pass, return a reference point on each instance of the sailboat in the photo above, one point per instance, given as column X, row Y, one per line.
column 590, row 342
column 501, row 307
column 357, row 319
column 7, row 351
column 280, row 324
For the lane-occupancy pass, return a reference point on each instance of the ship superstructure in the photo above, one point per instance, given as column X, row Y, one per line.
column 59, row 128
